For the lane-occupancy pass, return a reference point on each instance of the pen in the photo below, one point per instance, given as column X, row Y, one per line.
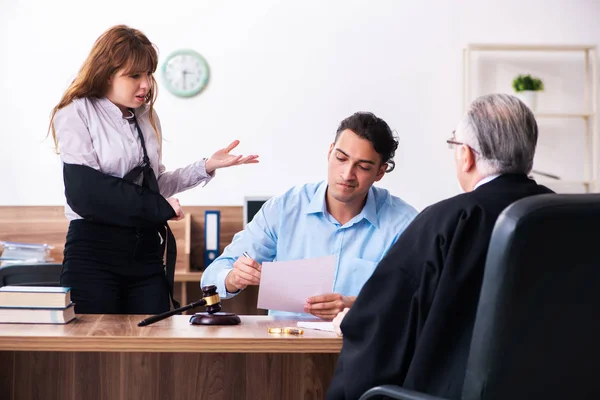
column 247, row 255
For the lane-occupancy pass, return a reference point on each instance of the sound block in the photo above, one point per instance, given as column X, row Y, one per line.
column 219, row 318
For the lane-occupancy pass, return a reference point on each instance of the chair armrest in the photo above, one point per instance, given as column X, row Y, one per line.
column 397, row 392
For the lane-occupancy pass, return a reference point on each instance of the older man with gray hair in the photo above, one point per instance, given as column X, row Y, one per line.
column 412, row 322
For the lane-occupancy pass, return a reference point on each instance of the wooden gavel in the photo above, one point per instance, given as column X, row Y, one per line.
column 210, row 299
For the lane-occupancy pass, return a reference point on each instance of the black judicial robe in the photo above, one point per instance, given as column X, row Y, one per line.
column 412, row 322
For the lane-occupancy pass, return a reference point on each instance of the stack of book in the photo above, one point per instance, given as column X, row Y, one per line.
column 36, row 305
column 13, row 253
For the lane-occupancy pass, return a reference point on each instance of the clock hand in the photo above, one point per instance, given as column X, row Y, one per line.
column 184, row 73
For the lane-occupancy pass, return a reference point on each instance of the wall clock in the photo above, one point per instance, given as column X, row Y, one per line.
column 185, row 73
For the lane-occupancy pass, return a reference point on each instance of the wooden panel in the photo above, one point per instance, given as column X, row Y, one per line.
column 182, row 233
column 7, row 363
column 211, row 376
column 110, row 333
column 280, row 370
column 182, row 276
column 214, row 376
column 231, row 223
column 318, row 373
column 145, row 383
column 42, row 375
column 288, row 376
column 97, row 375
column 35, row 224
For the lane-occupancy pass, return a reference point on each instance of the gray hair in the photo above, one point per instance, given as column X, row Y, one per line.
column 503, row 132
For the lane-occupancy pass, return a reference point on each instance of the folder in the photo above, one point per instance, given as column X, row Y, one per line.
column 212, row 228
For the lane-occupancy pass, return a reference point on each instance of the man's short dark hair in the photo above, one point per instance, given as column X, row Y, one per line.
column 375, row 130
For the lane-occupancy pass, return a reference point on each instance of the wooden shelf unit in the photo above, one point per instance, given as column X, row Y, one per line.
column 589, row 115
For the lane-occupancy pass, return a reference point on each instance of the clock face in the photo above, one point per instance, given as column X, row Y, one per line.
column 185, row 73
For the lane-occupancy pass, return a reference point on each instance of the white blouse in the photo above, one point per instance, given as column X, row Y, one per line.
column 93, row 132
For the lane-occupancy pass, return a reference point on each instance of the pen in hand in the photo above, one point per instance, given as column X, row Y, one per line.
column 245, row 254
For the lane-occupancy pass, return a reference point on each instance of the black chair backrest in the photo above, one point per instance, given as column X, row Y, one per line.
column 42, row 274
column 537, row 331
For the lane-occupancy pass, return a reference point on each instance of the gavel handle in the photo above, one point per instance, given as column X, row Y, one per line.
column 160, row 317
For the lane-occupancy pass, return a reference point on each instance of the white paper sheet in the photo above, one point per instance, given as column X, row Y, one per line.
column 285, row 285
column 320, row 326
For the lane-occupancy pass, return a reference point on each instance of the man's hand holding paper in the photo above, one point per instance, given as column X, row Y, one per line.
column 286, row 286
column 327, row 306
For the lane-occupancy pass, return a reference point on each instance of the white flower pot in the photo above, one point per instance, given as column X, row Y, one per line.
column 529, row 97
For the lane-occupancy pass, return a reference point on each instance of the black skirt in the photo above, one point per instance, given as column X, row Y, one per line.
column 114, row 270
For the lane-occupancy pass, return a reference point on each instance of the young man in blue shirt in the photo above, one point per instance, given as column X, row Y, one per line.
column 345, row 216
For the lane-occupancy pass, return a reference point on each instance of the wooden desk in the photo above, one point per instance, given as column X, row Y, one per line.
column 109, row 357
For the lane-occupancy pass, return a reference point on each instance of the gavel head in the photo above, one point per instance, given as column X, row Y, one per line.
column 213, row 301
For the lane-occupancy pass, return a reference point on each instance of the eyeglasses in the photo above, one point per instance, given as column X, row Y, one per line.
column 451, row 143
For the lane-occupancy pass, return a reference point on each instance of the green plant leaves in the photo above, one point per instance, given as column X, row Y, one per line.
column 527, row 82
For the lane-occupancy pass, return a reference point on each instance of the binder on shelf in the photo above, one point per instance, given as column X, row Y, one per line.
column 212, row 228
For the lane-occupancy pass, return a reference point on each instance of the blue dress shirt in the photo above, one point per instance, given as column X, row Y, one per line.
column 296, row 225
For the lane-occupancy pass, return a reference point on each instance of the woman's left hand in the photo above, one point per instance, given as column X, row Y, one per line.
column 222, row 158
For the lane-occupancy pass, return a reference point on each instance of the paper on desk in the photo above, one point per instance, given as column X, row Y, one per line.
column 285, row 285
column 320, row 326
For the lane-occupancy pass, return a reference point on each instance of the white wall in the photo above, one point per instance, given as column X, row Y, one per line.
column 284, row 73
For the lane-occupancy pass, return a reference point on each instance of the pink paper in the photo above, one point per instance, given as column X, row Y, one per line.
column 285, row 285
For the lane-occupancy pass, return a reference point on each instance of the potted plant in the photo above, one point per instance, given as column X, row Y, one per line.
column 526, row 88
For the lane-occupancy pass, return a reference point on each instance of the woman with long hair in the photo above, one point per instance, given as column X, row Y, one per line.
column 118, row 192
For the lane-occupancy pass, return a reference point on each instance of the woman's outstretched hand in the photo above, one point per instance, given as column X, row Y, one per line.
column 222, row 158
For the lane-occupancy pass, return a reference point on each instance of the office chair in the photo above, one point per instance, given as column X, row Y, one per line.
column 42, row 274
column 537, row 329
